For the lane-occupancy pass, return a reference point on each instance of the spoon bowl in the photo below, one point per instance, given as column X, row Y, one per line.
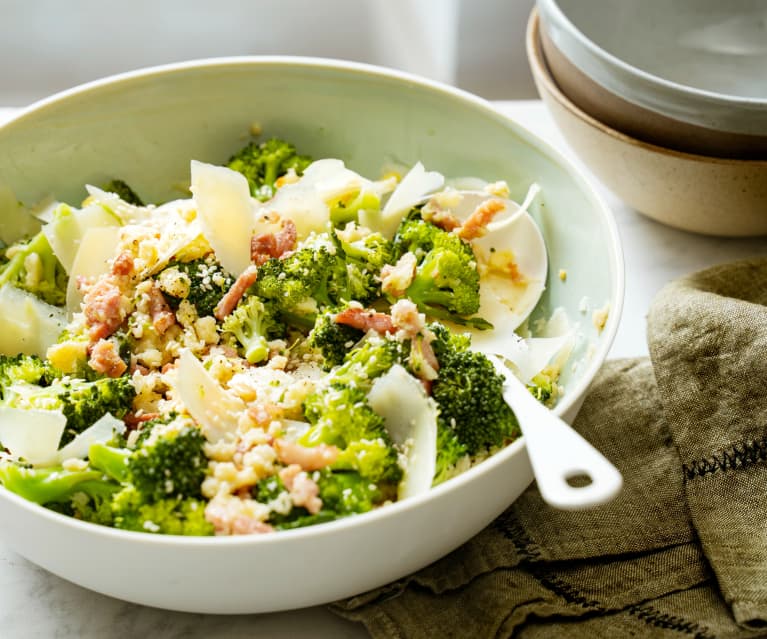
column 557, row 453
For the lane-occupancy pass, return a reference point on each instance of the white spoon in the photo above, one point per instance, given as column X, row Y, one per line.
column 557, row 453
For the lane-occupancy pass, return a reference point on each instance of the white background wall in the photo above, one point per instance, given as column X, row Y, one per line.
column 49, row 45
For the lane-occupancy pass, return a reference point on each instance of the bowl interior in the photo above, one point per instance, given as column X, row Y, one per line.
column 705, row 44
column 145, row 127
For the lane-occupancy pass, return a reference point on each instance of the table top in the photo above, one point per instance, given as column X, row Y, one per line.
column 34, row 603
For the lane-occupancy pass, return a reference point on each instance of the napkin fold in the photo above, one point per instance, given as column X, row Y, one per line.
column 682, row 551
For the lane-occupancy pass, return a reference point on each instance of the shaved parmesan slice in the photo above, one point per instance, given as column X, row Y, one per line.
column 307, row 201
column 100, row 432
column 31, row 434
column 97, row 246
column 125, row 211
column 66, row 230
column 529, row 355
column 410, row 191
column 27, row 325
column 411, row 419
column 177, row 234
column 226, row 210
column 216, row 411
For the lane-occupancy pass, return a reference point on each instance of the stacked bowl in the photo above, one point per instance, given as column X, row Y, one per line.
column 667, row 105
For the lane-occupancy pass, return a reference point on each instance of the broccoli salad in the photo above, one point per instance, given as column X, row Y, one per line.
column 289, row 344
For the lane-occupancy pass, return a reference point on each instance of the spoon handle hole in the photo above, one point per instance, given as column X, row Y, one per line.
column 579, row 480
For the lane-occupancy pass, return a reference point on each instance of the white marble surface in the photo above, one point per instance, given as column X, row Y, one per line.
column 35, row 604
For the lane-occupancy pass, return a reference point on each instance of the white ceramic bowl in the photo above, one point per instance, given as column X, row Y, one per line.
column 145, row 127
column 696, row 61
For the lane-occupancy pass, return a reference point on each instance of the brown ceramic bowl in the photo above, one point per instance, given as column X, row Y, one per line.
column 699, row 193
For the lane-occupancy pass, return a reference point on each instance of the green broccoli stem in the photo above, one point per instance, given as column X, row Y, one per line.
column 38, row 244
column 111, row 461
column 45, row 485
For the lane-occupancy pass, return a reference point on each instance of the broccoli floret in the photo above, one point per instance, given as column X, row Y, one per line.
column 319, row 276
column 446, row 281
column 170, row 516
column 171, row 465
column 33, row 267
column 341, row 416
column 92, row 501
column 371, row 359
column 155, row 488
column 262, row 163
column 30, row 369
column 343, row 493
column 347, row 208
column 252, row 324
column 371, row 251
column 446, row 342
column 357, row 269
column 202, row 282
column 161, row 479
column 332, row 340
column 82, row 402
column 347, row 493
column 298, row 284
column 123, row 191
column 543, row 387
column 165, row 465
column 449, row 452
column 468, row 392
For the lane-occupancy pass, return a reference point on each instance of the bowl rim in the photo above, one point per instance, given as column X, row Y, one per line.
column 553, row 13
column 570, row 401
column 538, row 62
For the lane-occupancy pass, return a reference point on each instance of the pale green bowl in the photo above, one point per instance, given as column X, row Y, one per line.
column 145, row 127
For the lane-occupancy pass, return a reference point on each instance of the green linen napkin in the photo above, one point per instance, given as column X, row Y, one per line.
column 682, row 551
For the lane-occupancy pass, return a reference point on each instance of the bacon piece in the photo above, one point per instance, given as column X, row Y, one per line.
column 303, row 490
column 133, row 421
column 286, row 238
column 405, row 316
column 396, row 279
column 162, row 315
column 307, row 457
column 365, row 320
column 230, row 516
column 123, row 264
column 423, row 361
column 103, row 308
column 248, row 526
column 440, row 217
column 227, row 304
column 141, row 369
column 105, row 359
column 265, row 246
column 476, row 224
column 262, row 248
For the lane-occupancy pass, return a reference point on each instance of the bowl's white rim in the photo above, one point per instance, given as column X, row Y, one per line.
column 552, row 11
column 617, row 285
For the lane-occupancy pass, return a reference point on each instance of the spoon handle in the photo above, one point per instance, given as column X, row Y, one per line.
column 558, row 453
